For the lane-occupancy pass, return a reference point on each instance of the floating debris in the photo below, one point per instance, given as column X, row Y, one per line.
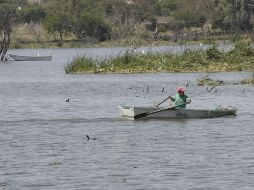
column 187, row 83
column 215, row 86
column 208, row 81
column 163, row 88
column 147, row 90
column 247, row 81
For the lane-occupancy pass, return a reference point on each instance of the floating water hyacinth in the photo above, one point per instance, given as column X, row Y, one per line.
column 211, row 60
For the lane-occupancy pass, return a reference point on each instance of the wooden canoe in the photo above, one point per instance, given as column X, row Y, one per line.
column 130, row 112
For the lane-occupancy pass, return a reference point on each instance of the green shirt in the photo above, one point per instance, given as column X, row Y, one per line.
column 179, row 100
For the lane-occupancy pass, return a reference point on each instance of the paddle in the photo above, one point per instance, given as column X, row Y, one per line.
column 162, row 101
column 138, row 116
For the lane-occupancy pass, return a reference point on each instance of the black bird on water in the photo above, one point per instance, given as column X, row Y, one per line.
column 88, row 138
column 67, row 100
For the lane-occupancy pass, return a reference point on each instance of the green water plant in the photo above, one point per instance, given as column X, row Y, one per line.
column 79, row 64
column 208, row 80
column 247, row 81
column 240, row 58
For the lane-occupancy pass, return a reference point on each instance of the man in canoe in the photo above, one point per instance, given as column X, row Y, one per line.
column 180, row 99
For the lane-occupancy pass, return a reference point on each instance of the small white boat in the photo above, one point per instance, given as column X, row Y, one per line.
column 131, row 112
column 30, row 58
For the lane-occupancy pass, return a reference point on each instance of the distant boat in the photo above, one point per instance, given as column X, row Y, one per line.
column 30, row 58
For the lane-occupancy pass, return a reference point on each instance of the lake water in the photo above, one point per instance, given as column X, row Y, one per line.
column 43, row 143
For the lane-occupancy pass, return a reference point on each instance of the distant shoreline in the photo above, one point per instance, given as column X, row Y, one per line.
column 21, row 44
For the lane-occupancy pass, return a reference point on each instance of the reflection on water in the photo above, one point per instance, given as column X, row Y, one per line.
column 43, row 139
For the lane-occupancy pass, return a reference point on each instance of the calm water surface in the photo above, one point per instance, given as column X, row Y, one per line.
column 43, row 143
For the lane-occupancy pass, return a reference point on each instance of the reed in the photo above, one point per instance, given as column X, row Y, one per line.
column 240, row 58
column 79, row 64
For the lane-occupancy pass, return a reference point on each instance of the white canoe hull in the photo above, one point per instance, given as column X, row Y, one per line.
column 30, row 58
column 131, row 111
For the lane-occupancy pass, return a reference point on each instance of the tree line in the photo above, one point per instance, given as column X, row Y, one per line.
column 100, row 20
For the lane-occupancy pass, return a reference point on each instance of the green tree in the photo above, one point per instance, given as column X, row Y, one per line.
column 188, row 14
column 33, row 14
column 56, row 21
column 235, row 15
column 125, row 16
column 167, row 7
column 56, row 24
column 93, row 25
column 87, row 21
column 249, row 8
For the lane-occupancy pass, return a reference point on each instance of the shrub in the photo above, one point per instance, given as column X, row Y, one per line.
column 213, row 53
